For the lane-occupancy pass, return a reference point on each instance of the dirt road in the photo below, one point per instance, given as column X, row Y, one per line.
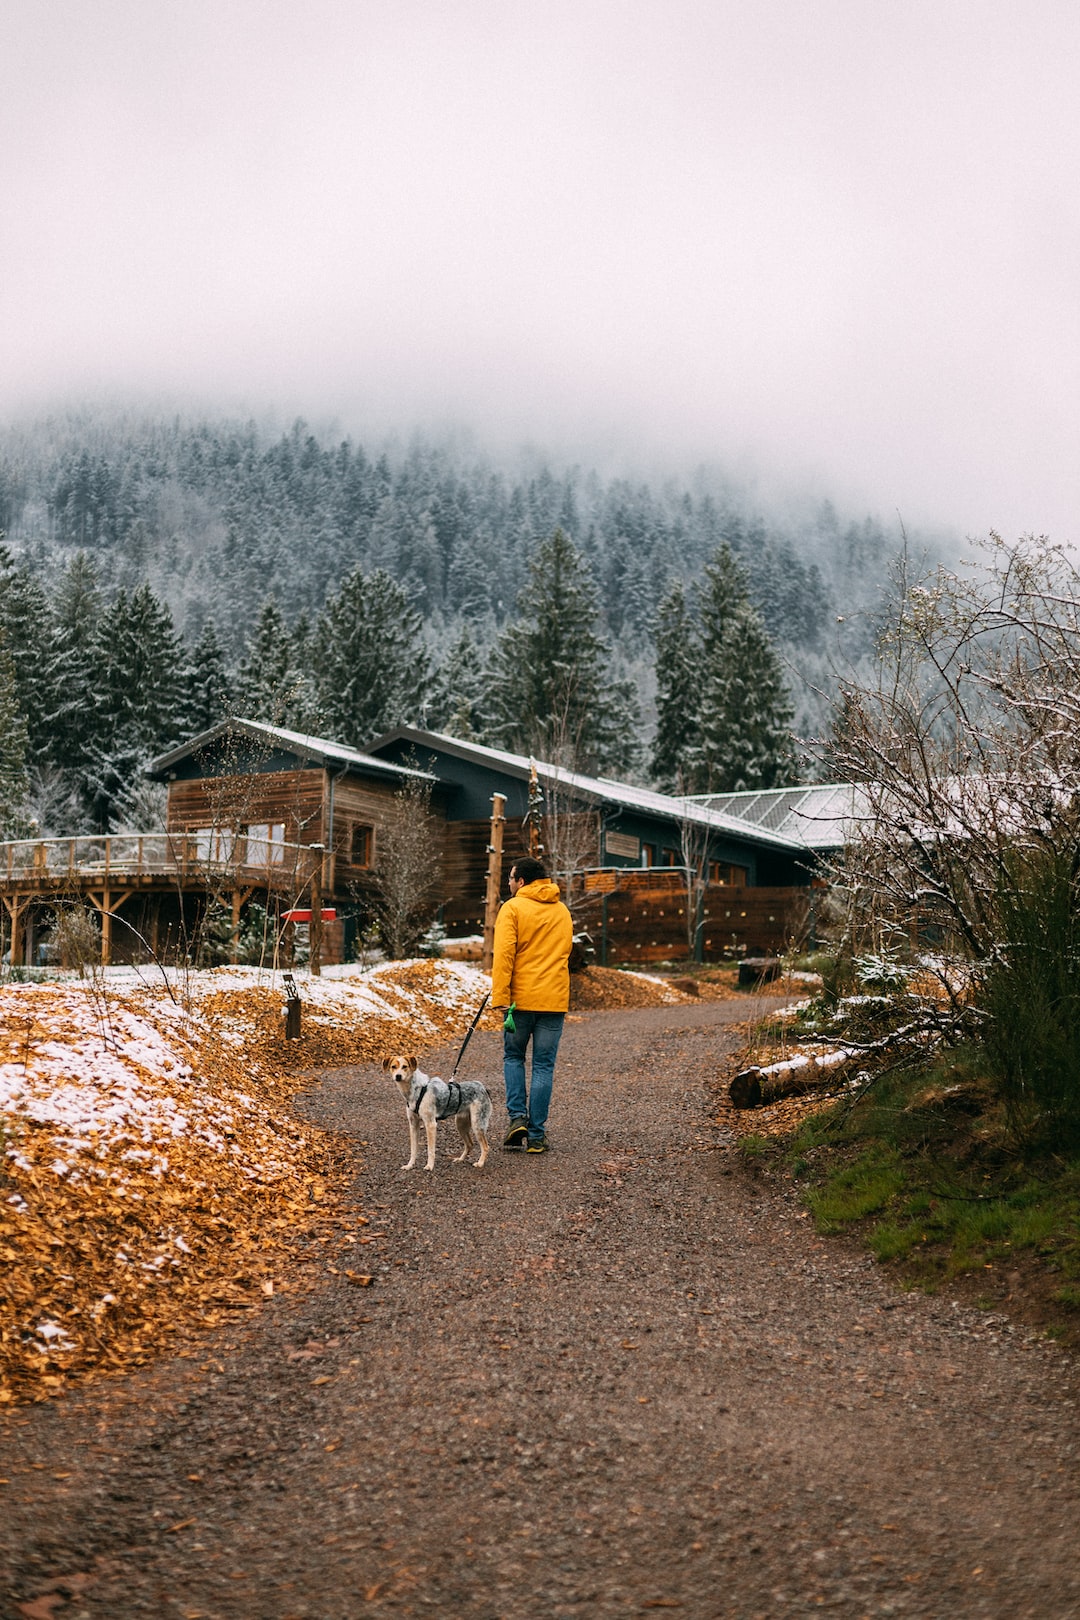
column 621, row 1378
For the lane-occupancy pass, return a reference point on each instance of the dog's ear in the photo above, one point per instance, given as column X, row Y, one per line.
column 411, row 1061
column 386, row 1062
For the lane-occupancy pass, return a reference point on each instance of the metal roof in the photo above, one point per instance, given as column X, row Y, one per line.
column 597, row 789
column 820, row 816
column 318, row 750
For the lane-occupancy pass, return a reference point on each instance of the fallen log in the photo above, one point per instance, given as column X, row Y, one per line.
column 753, row 1088
column 759, row 969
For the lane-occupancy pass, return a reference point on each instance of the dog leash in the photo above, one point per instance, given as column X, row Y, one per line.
column 468, row 1035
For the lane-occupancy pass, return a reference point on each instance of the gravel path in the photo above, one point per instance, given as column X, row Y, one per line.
column 620, row 1378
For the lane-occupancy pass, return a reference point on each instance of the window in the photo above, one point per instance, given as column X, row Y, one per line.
column 213, row 844
column 648, row 854
column 266, row 843
column 360, row 848
column 721, row 872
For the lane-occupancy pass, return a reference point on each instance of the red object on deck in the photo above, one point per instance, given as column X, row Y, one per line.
column 329, row 914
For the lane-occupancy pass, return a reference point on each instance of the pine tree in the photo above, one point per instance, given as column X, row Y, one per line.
column 13, row 749
column 71, row 671
column 373, row 672
column 743, row 711
column 460, row 691
column 139, row 699
column 268, row 678
column 677, row 745
column 208, row 688
column 25, row 622
column 552, row 689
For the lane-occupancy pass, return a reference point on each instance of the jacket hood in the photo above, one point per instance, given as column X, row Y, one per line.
column 543, row 890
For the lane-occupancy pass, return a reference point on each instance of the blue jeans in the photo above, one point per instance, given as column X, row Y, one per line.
column 544, row 1029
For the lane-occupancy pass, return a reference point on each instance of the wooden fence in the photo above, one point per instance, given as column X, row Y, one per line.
column 641, row 916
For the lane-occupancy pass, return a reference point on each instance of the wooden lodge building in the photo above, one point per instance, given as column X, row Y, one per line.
column 259, row 813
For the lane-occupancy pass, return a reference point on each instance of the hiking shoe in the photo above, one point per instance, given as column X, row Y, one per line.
column 539, row 1144
column 517, row 1135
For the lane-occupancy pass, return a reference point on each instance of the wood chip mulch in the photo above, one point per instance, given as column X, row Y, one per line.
column 179, row 1190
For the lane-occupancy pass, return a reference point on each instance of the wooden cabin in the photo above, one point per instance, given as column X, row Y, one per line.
column 257, row 812
column 254, row 812
column 627, row 846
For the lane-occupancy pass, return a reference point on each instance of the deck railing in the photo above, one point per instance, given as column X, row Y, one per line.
column 122, row 856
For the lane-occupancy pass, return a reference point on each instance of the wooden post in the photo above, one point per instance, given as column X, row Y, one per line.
column 106, row 921
column 315, row 925
column 13, row 909
column 494, row 878
column 536, row 811
column 234, row 943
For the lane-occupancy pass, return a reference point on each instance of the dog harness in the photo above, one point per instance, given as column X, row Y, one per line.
column 452, row 1106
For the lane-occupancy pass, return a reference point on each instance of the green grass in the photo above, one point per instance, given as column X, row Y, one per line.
column 863, row 1188
column 924, row 1169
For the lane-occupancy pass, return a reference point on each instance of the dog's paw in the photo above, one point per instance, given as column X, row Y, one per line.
column 409, row 1165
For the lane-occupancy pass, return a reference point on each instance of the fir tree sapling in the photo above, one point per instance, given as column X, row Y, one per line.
column 724, row 714
column 373, row 672
column 13, row 747
column 552, row 690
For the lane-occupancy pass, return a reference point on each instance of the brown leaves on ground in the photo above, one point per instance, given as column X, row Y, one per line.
column 597, row 988
column 152, row 1174
column 139, row 1195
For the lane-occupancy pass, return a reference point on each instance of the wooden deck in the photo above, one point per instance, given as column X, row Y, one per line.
column 107, row 870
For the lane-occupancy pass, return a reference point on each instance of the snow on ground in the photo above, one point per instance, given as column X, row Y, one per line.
column 150, row 1164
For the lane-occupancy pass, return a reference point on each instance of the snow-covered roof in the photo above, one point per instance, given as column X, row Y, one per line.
column 822, row 816
column 595, row 789
column 317, row 750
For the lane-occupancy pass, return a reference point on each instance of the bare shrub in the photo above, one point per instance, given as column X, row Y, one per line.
column 76, row 931
column 965, row 839
column 407, row 871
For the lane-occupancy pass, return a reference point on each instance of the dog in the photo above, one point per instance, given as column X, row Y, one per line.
column 430, row 1099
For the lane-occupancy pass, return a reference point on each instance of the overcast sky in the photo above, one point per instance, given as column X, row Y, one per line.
column 841, row 238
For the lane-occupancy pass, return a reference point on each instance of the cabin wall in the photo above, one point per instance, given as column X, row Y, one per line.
column 641, row 917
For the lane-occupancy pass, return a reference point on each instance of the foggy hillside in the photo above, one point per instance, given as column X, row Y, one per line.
column 219, row 516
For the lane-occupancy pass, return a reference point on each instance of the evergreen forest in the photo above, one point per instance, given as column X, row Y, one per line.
column 158, row 573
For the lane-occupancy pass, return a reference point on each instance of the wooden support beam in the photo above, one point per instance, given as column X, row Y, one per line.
column 13, row 906
column 494, row 878
column 108, row 904
column 315, row 926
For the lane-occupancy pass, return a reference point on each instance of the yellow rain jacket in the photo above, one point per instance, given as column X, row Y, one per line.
column 533, row 937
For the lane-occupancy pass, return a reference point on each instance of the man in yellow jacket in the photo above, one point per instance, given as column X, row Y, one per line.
column 530, row 981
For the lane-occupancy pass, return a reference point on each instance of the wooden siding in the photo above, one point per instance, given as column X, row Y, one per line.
column 639, row 916
column 464, row 871
column 300, row 800
column 292, row 797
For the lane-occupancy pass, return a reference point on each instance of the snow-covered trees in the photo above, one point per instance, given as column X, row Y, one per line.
column 723, row 710
column 460, row 691
column 553, row 690
column 13, row 779
column 677, row 747
column 275, row 681
column 138, row 698
column 373, row 672
column 966, row 756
